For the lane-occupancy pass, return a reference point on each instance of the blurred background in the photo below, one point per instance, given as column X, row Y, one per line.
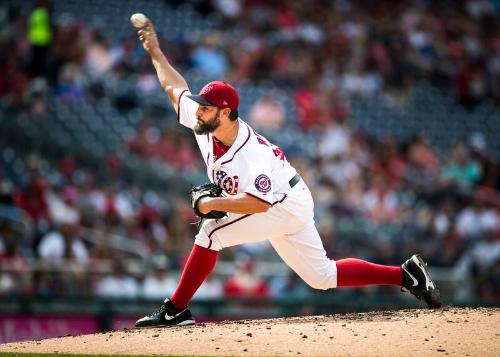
column 390, row 111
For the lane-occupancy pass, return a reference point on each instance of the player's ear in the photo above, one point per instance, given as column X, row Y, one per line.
column 226, row 112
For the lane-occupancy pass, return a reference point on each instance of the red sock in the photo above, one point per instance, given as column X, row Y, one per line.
column 199, row 265
column 357, row 272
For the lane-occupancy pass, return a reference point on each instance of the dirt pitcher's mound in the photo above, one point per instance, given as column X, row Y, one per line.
column 448, row 331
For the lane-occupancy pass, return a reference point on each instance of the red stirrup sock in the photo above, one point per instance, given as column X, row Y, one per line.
column 357, row 272
column 199, row 265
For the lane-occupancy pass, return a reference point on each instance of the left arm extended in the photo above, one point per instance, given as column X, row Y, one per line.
column 241, row 203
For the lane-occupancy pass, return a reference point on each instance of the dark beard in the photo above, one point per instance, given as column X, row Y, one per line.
column 209, row 126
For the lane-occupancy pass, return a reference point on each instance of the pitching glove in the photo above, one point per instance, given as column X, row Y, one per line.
column 210, row 190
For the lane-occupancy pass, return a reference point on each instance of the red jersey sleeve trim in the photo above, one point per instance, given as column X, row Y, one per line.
column 260, row 198
column 280, row 201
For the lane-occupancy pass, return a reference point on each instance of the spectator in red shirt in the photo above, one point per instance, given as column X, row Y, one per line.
column 245, row 283
column 32, row 199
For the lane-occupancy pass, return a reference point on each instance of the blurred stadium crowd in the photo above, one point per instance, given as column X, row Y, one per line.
column 73, row 225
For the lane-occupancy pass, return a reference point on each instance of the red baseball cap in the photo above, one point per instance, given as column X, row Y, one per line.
column 218, row 94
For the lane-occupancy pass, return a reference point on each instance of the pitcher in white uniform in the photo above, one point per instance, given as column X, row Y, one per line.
column 265, row 199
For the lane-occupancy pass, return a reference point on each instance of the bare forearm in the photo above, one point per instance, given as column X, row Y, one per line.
column 240, row 203
column 169, row 78
column 171, row 81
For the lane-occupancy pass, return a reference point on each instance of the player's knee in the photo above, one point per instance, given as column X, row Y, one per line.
column 203, row 240
column 325, row 278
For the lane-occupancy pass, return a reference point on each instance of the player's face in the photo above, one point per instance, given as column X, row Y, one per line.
column 208, row 119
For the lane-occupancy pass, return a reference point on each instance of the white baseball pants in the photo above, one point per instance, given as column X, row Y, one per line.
column 289, row 227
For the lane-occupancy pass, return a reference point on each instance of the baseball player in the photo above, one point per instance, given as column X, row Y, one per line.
column 264, row 199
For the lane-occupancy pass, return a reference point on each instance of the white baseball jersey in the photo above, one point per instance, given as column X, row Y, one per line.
column 255, row 166
column 252, row 164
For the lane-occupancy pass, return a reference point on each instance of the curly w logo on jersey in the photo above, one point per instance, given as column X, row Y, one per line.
column 263, row 183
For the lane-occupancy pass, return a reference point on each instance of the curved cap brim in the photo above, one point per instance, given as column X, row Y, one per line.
column 200, row 100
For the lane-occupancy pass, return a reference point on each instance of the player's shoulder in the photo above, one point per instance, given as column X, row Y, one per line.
column 183, row 96
column 256, row 151
column 255, row 141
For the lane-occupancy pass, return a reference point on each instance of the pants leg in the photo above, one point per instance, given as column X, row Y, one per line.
column 289, row 227
column 304, row 253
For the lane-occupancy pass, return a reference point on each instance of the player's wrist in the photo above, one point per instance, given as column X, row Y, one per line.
column 205, row 204
column 156, row 53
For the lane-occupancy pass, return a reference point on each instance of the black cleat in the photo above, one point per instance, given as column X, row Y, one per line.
column 167, row 316
column 416, row 280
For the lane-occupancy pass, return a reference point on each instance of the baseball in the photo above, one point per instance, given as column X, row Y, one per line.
column 138, row 20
